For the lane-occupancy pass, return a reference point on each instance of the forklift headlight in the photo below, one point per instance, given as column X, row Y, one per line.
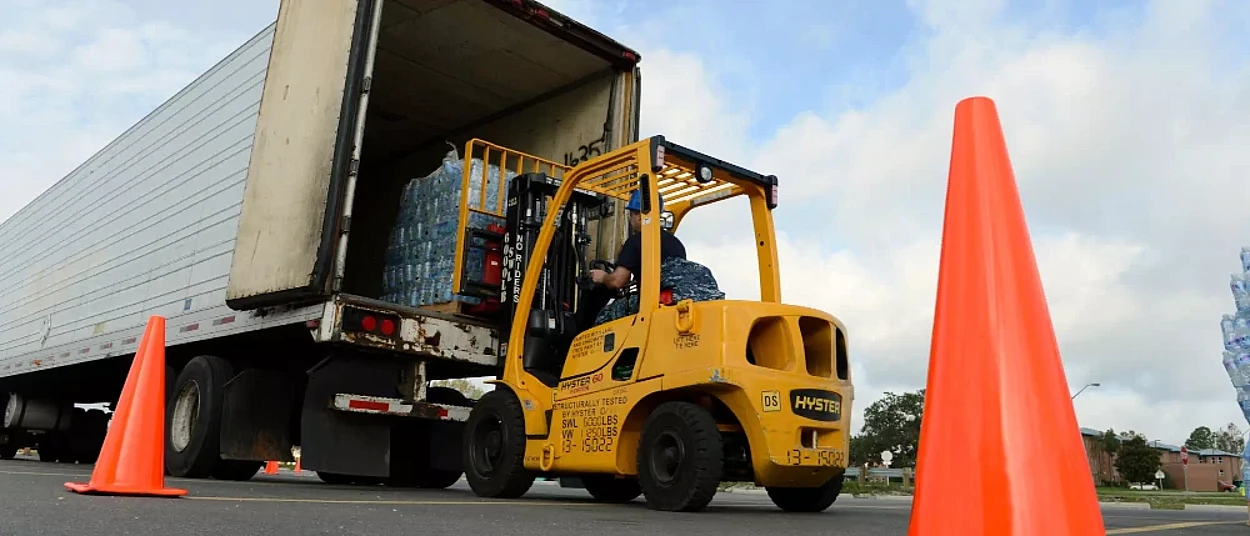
column 704, row 174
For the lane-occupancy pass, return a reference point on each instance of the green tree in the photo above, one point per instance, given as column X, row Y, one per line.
column 1201, row 439
column 891, row 423
column 1109, row 442
column 465, row 387
column 1137, row 461
column 859, row 451
column 1230, row 439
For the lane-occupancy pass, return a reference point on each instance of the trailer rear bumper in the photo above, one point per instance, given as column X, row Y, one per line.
column 377, row 405
column 379, row 325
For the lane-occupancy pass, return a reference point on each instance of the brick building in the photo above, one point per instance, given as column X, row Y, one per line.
column 1207, row 468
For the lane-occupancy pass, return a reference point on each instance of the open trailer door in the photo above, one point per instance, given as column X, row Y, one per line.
column 305, row 152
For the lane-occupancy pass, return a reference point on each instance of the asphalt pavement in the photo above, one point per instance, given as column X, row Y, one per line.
column 35, row 502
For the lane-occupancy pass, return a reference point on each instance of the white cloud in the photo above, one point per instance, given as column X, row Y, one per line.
column 1128, row 152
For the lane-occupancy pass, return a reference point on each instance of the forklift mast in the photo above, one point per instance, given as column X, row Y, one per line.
column 550, row 323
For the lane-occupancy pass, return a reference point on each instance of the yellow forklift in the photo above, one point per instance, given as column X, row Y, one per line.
column 677, row 392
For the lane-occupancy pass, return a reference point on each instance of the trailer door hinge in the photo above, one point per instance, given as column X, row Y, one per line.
column 354, row 167
column 347, row 224
column 366, row 84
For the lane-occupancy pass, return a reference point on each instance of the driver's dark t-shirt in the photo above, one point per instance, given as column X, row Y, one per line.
column 630, row 256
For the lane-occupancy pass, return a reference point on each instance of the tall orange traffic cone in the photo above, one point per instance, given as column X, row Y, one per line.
column 1000, row 451
column 132, row 459
column 271, row 467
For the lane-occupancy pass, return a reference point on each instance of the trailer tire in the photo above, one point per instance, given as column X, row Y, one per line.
column 193, row 417
column 344, row 480
column 809, row 500
column 680, row 458
column 412, row 469
column 8, row 452
column 494, row 454
column 235, row 470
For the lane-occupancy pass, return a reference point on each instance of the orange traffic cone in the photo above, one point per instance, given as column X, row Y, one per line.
column 297, row 467
column 132, row 459
column 271, row 468
column 997, row 395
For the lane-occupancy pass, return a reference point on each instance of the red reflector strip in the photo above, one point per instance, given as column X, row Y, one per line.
column 223, row 320
column 189, row 327
column 368, row 405
column 442, row 413
column 129, row 341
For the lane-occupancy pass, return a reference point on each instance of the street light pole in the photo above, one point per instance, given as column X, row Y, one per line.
column 1095, row 384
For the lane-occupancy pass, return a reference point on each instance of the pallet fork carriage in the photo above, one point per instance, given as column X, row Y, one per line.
column 678, row 397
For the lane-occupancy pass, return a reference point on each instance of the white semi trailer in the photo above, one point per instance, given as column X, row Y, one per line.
column 230, row 210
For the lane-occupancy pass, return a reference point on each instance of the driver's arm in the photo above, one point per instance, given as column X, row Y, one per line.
column 615, row 280
column 630, row 256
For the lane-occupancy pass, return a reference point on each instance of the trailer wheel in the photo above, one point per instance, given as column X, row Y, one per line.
column 342, row 479
column 193, row 417
column 412, row 468
column 680, row 458
column 609, row 489
column 808, row 499
column 235, row 470
column 8, row 452
column 494, row 454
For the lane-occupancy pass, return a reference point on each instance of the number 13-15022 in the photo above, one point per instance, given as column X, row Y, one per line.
column 823, row 458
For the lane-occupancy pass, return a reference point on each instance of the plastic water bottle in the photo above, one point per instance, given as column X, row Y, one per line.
column 1230, row 366
column 1241, row 292
column 1241, row 369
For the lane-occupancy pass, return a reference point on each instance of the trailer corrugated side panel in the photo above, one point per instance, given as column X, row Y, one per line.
column 144, row 227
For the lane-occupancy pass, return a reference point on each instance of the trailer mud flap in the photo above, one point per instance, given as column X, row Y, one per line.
column 347, row 443
column 256, row 416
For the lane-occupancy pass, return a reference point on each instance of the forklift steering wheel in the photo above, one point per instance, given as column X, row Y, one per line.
column 585, row 282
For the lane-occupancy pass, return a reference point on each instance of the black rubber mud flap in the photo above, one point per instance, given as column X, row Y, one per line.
column 256, row 416
column 340, row 442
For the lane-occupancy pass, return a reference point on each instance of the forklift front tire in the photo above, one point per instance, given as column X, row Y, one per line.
column 680, row 458
column 494, row 454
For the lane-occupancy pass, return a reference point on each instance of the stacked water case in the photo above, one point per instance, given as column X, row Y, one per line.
column 421, row 252
column 1236, row 331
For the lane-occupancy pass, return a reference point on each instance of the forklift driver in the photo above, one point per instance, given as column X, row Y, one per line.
column 628, row 263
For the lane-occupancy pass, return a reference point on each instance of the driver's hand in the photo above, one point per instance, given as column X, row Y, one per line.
column 597, row 276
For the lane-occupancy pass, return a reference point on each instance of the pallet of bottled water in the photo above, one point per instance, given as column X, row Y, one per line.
column 421, row 252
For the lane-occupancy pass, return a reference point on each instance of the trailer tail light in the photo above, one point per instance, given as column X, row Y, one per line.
column 360, row 320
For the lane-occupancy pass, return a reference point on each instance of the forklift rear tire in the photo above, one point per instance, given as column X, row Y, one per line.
column 494, row 454
column 609, row 489
column 809, row 500
column 680, row 458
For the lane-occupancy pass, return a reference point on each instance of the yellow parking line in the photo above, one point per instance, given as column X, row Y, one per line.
column 1171, row 526
column 392, row 503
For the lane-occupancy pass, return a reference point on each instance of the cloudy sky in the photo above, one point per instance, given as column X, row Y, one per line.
column 1126, row 123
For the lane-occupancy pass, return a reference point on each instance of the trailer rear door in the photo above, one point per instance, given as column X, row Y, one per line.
column 315, row 89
